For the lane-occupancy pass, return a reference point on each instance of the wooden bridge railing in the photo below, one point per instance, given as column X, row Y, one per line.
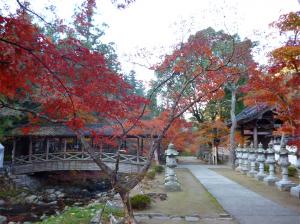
column 78, row 156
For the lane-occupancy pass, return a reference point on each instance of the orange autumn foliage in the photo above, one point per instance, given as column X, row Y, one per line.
column 279, row 87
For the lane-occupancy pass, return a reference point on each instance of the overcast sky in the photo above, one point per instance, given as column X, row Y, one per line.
column 150, row 23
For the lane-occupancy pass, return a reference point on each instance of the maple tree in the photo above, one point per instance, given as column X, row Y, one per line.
column 278, row 84
column 73, row 84
column 179, row 133
column 208, row 58
column 64, row 81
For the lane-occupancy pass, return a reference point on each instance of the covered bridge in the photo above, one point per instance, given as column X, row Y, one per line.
column 56, row 147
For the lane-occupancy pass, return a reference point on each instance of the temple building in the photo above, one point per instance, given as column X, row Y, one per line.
column 257, row 124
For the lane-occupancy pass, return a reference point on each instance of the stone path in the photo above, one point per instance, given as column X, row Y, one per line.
column 245, row 205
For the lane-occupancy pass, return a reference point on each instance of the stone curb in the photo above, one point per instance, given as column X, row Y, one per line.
column 188, row 218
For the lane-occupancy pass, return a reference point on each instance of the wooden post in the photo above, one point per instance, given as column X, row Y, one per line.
column 60, row 145
column 101, row 148
column 255, row 136
column 47, row 148
column 142, row 146
column 65, row 148
column 242, row 134
column 13, row 151
column 138, row 151
column 82, row 151
column 30, row 148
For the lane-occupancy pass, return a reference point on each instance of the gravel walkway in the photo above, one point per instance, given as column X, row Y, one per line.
column 245, row 205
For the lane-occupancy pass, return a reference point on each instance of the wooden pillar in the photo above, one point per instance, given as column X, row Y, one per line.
column 65, row 148
column 60, row 146
column 101, row 147
column 138, row 151
column 255, row 136
column 47, row 148
column 142, row 146
column 242, row 134
column 82, row 151
column 30, row 148
column 13, row 151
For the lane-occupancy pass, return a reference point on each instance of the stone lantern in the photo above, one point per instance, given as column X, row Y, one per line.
column 295, row 191
column 239, row 154
column 252, row 159
column 271, row 178
column 245, row 160
column 1, row 156
column 171, row 182
column 284, row 184
column 261, row 159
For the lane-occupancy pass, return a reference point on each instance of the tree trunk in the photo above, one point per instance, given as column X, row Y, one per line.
column 129, row 217
column 233, row 125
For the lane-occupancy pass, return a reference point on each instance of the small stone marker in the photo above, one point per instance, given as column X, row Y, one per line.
column 192, row 218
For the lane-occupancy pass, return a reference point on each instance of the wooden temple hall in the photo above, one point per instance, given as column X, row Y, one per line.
column 257, row 123
column 50, row 148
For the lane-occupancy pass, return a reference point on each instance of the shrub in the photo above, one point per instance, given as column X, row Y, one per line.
column 158, row 168
column 140, row 201
column 186, row 153
column 151, row 174
column 292, row 171
column 266, row 168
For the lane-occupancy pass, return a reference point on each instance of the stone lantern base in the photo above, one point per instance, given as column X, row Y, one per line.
column 238, row 169
column 260, row 176
column 252, row 173
column 172, row 186
column 285, row 185
column 270, row 180
column 295, row 191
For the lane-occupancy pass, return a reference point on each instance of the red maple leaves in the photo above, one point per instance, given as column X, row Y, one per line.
column 280, row 87
column 66, row 81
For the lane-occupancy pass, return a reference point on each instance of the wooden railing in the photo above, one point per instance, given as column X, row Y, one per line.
column 78, row 156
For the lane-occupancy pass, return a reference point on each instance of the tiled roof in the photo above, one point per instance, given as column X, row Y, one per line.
column 61, row 130
column 251, row 113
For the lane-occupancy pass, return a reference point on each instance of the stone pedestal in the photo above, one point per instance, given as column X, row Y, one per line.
column 271, row 178
column 261, row 159
column 171, row 181
column 252, row 158
column 239, row 158
column 295, row 191
column 245, row 160
column 172, row 186
column 284, row 184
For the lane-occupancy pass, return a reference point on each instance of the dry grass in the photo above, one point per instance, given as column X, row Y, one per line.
column 193, row 199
